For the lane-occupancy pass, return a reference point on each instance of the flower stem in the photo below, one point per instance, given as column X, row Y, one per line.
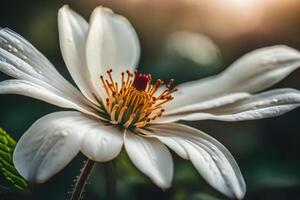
column 82, row 179
column 111, row 180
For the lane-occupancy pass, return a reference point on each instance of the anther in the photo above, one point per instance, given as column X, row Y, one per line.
column 133, row 101
column 140, row 81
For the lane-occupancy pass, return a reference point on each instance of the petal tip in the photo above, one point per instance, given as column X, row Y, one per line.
column 101, row 9
column 64, row 8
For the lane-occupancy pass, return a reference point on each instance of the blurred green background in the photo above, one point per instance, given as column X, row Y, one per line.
column 184, row 40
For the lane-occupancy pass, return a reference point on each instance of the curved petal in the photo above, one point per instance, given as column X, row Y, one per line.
column 19, row 59
column 48, row 145
column 251, row 73
column 73, row 30
column 263, row 105
column 151, row 157
column 27, row 88
column 209, row 104
column 112, row 43
column 211, row 159
column 102, row 143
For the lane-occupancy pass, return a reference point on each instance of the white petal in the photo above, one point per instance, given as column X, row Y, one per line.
column 102, row 143
column 48, row 145
column 151, row 157
column 261, row 68
column 112, row 44
column 73, row 30
column 209, row 104
column 27, row 88
column 253, row 72
column 212, row 160
column 263, row 105
column 19, row 59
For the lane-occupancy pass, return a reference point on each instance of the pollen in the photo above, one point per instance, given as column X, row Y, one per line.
column 135, row 101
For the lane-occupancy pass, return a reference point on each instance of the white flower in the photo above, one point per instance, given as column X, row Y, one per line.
column 111, row 112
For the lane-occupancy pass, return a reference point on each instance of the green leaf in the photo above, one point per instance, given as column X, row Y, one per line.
column 7, row 146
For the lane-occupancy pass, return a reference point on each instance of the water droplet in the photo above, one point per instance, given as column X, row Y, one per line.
column 24, row 57
column 39, row 71
column 104, row 141
column 15, row 50
column 65, row 133
column 214, row 158
column 206, row 158
column 260, row 103
column 9, row 46
column 223, row 171
column 69, row 40
column 20, row 46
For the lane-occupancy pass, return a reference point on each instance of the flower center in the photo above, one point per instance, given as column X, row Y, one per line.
column 136, row 101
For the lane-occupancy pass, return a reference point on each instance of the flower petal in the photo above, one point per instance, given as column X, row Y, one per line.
column 49, row 145
column 263, row 105
column 73, row 30
column 27, row 88
column 112, row 44
column 102, row 143
column 151, row 157
column 19, row 59
column 212, row 160
column 251, row 73
column 210, row 104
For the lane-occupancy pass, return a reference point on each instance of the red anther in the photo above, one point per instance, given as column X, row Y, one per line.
column 149, row 77
column 140, row 81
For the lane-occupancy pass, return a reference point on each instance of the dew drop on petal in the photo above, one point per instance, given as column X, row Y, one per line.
column 104, row 141
column 65, row 133
column 14, row 50
column 39, row 71
column 215, row 158
column 206, row 158
column 223, row 171
column 69, row 40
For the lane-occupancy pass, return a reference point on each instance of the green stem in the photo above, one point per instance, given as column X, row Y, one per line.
column 111, row 180
column 82, row 179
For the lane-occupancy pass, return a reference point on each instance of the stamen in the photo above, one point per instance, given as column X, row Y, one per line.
column 113, row 112
column 127, row 124
column 104, row 85
column 121, row 114
column 133, row 102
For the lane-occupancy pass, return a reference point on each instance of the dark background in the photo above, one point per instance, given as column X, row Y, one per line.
column 267, row 151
